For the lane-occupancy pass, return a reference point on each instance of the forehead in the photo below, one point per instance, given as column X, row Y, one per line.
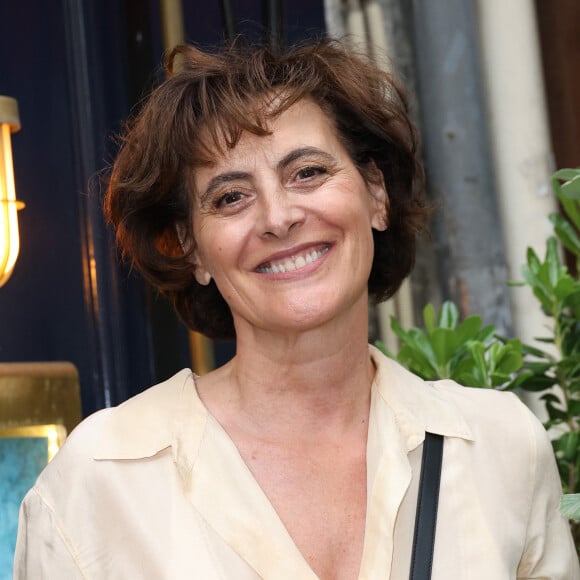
column 303, row 124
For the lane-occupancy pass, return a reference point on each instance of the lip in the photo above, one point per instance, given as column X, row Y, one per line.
column 292, row 252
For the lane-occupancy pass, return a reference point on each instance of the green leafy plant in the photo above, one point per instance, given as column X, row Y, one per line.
column 570, row 506
column 463, row 351
column 475, row 356
column 555, row 372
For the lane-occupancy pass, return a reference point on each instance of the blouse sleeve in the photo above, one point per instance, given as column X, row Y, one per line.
column 549, row 551
column 42, row 548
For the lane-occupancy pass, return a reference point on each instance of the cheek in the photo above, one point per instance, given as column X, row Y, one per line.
column 221, row 252
column 214, row 258
column 351, row 212
column 211, row 243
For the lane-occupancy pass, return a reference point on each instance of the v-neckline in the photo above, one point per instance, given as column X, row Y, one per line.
column 234, row 504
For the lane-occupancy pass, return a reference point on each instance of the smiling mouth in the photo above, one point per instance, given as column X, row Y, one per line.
column 294, row 262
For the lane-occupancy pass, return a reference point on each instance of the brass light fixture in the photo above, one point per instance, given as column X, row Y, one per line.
column 9, row 239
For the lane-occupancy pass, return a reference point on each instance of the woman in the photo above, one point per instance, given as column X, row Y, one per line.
column 270, row 196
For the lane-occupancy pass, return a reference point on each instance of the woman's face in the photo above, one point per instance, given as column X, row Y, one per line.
column 283, row 224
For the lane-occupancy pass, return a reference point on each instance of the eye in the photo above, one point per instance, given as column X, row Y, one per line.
column 310, row 172
column 228, row 198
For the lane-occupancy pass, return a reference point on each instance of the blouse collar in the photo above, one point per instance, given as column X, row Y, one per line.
column 171, row 414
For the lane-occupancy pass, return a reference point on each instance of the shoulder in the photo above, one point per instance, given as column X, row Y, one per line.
column 512, row 466
column 493, row 413
column 487, row 417
column 450, row 409
column 479, row 405
column 138, row 428
column 507, row 436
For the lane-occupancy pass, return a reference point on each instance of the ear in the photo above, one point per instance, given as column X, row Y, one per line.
column 380, row 198
column 183, row 237
column 200, row 272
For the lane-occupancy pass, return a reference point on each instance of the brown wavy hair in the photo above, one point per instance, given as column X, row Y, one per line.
column 205, row 104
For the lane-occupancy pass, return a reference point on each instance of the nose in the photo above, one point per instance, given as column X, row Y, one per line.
column 280, row 212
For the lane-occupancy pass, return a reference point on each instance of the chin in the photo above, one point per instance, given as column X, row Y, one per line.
column 310, row 316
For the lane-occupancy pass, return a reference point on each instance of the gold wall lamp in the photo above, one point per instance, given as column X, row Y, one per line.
column 9, row 238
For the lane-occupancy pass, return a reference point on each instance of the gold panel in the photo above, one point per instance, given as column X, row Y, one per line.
column 40, row 393
column 201, row 350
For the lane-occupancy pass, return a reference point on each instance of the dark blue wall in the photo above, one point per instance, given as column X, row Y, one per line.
column 76, row 68
column 67, row 300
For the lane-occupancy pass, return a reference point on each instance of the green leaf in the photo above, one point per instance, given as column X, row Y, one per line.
column 564, row 175
column 463, row 373
column 571, row 188
column 568, row 444
column 429, row 318
column 401, row 334
column 416, row 352
column 554, row 412
column 480, row 371
column 538, row 367
column 416, row 363
column 551, row 398
column 469, row 329
column 569, row 365
column 565, row 287
column 566, row 233
column 444, row 345
column 538, row 383
column 574, row 408
column 520, row 378
column 530, row 350
column 499, row 379
column 511, row 361
column 570, row 207
column 570, row 506
column 572, row 301
column 553, row 261
column 531, row 273
column 486, row 334
column 448, row 315
column 568, row 194
column 494, row 353
column 420, row 340
column 533, row 261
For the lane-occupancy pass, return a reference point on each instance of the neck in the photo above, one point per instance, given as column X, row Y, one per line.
column 306, row 381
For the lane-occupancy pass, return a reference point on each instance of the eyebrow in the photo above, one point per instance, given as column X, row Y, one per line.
column 222, row 179
column 297, row 154
column 218, row 181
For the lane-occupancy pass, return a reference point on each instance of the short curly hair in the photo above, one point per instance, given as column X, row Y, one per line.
column 204, row 105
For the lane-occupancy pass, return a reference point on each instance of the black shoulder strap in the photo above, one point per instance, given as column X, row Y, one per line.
column 426, row 517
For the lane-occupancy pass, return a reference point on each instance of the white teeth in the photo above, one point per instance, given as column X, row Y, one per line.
column 293, row 263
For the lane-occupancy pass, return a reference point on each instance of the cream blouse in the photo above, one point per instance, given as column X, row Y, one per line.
column 155, row 489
